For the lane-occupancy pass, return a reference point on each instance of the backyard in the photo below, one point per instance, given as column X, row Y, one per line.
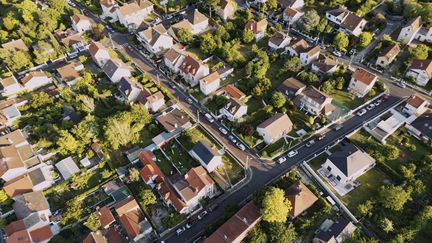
column 179, row 158
column 231, row 169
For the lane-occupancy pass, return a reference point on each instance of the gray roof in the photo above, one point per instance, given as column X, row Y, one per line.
column 205, row 151
column 111, row 66
column 424, row 124
column 349, row 159
column 335, row 230
column 29, row 203
column 291, row 86
column 36, row 176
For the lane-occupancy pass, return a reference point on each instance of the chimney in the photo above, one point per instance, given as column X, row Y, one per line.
column 9, row 140
column 186, row 176
column 245, row 220
column 175, row 125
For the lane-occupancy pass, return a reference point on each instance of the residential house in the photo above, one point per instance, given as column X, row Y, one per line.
column 421, row 127
column 387, row 55
column 150, row 172
column 15, row 45
column 192, row 70
column 109, row 9
column 227, row 9
column 234, row 110
column 279, row 40
column 95, row 237
column 338, row 230
column 210, row 83
column 421, row 71
column 106, row 218
column 35, row 79
column 258, row 28
column 10, row 86
column 347, row 22
column 195, row 22
column 16, row 156
column 230, row 91
column 207, row 155
column 115, row 69
column 70, row 73
column 235, row 229
column 155, row 39
column 314, row 101
column 194, row 186
column 410, row 30
column 291, row 87
column 132, row 219
column 297, row 4
column 347, row 164
column 71, row 39
column 309, row 55
column 130, row 88
column 291, row 15
column 324, row 65
column 67, row 167
column 174, row 120
column 9, row 111
column 30, row 229
column 99, row 53
column 425, row 34
column 275, row 127
column 29, row 203
column 362, row 82
column 131, row 15
column 173, row 59
column 297, row 47
column 152, row 101
column 416, row 105
column 81, row 23
column 300, row 197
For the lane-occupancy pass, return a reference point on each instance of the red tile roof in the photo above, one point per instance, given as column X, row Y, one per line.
column 150, row 168
column 301, row 198
column 42, row 234
column 364, row 76
column 131, row 222
column 416, row 101
column 105, row 217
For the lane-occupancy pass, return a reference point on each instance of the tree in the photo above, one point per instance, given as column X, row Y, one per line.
column 365, row 209
column 386, row 225
column 208, row 44
column 3, row 196
column 66, row 143
column 93, row 222
column 134, row 174
column 280, row 233
column 340, row 83
column 247, row 130
column 257, row 235
column 248, row 36
column 74, row 211
column 185, row 36
column 311, row 120
column 211, row 4
column 365, row 39
column 420, row 52
column 278, row 100
column 275, row 206
column 147, row 197
column 292, row 65
column 272, row 4
column 393, row 197
column 391, row 152
column 408, row 171
column 341, row 41
column 309, row 21
column 79, row 181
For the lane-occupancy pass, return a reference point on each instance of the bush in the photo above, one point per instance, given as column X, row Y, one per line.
column 173, row 219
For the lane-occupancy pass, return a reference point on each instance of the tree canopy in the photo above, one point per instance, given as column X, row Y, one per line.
column 275, row 206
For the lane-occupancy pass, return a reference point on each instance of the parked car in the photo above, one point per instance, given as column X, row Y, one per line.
column 130, row 48
column 338, row 127
column 241, row 146
column 378, row 102
column 370, row 107
column 337, row 53
column 401, row 84
column 232, row 139
column 320, row 137
column 292, row 153
column 281, row 159
column 172, row 85
column 310, row 143
column 180, row 230
column 213, row 207
column 188, row 226
column 202, row 215
column 361, row 112
column 209, row 117
column 223, row 130
column 189, row 100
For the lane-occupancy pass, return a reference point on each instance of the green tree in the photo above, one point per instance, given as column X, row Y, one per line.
column 3, row 196
column 393, row 197
column 208, row 44
column 365, row 39
column 66, row 143
column 185, row 36
column 309, row 21
column 280, row 233
column 341, row 41
column 391, row 152
column 386, row 225
column 134, row 174
column 74, row 210
column 408, row 171
column 275, row 206
column 420, row 52
column 278, row 100
column 272, row 4
column 248, row 36
column 93, row 222
column 147, row 197
column 257, row 235
column 79, row 181
column 365, row 209
column 292, row 65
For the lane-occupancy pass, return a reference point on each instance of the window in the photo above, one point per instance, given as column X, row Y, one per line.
column 338, row 178
column 382, row 62
column 328, row 168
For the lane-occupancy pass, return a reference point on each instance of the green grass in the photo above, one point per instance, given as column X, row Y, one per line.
column 231, row 169
column 196, row 52
column 254, row 104
column 251, row 141
column 424, row 235
column 277, row 147
column 345, row 99
column 318, row 161
column 275, row 73
column 164, row 164
column 180, row 158
column 194, row 135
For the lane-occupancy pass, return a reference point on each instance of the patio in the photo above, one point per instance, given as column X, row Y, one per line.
column 340, row 188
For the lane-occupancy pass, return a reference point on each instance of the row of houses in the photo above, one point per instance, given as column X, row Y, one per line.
column 131, row 15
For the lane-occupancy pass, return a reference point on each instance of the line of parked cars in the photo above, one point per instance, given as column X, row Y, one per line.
column 370, row 107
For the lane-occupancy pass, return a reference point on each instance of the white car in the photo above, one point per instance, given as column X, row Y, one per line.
column 361, row 112
column 370, row 107
column 179, row 231
column 241, row 146
column 337, row 53
column 281, row 160
column 232, row 138
column 378, row 102
column 209, row 117
column 310, row 143
column 202, row 215
column 223, row 130
column 292, row 153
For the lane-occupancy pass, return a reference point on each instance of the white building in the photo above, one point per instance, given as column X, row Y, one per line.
column 291, row 15
column 421, row 71
column 416, row 105
column 210, row 83
column 109, row 9
column 314, row 101
column 173, row 59
column 227, row 9
column 99, row 53
column 192, row 70
column 259, row 28
column 297, row 47
column 132, row 15
column 234, row 110
column 387, row 55
column 324, row 66
column 155, row 39
column 31, row 202
column 81, row 23
column 297, row 4
column 274, row 128
column 130, row 88
column 409, row 31
column 279, row 40
column 348, row 22
column 362, row 82
column 67, row 167
column 199, row 22
column 115, row 69
column 35, row 79
column 10, row 86
column 208, row 156
column 309, row 55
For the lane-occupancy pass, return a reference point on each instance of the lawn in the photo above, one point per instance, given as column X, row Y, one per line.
column 254, row 104
column 344, row 99
column 196, row 52
column 275, row 73
column 232, row 169
column 194, row 135
column 277, row 147
column 318, row 161
column 179, row 157
column 251, row 141
column 164, row 164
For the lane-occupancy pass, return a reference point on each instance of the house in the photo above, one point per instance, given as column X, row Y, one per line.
column 297, row 4
column 99, row 53
column 71, row 39
column 258, row 28
column 309, row 55
column 210, row 83
column 234, row 110
column 230, row 91
column 81, row 23
column 347, row 22
column 314, row 101
column 194, row 186
column 173, row 59
column 155, row 39
column 291, row 15
column 425, row 34
column 300, row 197
column 153, row 102
column 207, row 155
column 67, row 168
column 174, row 120
column 198, row 21
column 362, row 82
column 236, row 228
column 275, row 127
column 9, row 112
column 106, row 218
column 279, row 40
column 338, row 230
column 95, row 237
column 410, row 30
column 35, row 79
column 291, row 87
column 421, row 71
column 227, row 9
column 10, row 86
column 29, row 203
column 70, row 73
column 192, row 70
column 387, row 55
column 15, row 45
column 130, row 88
column 115, row 69
column 421, row 127
column 347, row 164
column 131, row 15
column 132, row 219
column 30, row 229
column 109, row 9
column 16, row 156
column 324, row 65
column 416, row 105
column 297, row 47
column 150, row 172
